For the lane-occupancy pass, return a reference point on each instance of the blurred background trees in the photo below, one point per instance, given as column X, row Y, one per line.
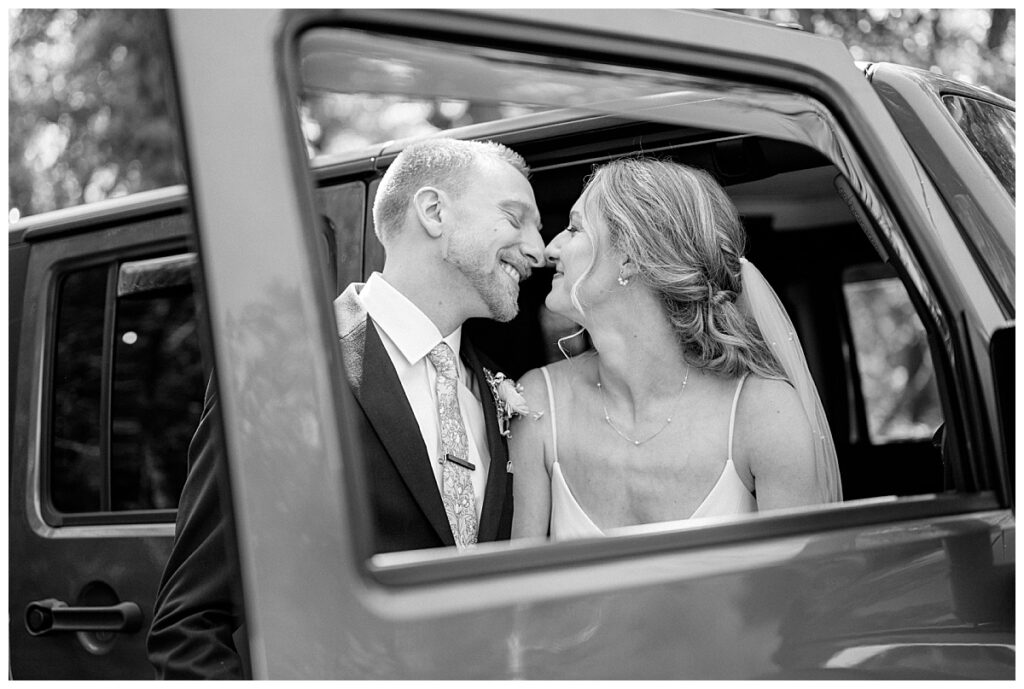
column 88, row 98
column 89, row 89
column 973, row 45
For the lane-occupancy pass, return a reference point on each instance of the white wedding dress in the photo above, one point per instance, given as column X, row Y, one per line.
column 568, row 520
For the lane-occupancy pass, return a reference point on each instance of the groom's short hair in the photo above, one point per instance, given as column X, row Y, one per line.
column 442, row 163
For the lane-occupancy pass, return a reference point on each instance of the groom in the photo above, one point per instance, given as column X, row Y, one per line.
column 460, row 228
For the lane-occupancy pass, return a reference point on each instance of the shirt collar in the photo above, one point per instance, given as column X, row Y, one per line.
column 409, row 328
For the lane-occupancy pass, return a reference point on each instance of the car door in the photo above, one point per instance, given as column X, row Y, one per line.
column 965, row 137
column 910, row 587
column 109, row 378
column 106, row 388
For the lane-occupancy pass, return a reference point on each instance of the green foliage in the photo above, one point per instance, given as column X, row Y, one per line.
column 89, row 97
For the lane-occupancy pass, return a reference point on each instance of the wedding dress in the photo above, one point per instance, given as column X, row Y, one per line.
column 568, row 520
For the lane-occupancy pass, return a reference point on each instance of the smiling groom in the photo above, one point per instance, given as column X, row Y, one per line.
column 461, row 230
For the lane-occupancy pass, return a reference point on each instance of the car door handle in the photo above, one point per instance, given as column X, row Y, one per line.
column 52, row 615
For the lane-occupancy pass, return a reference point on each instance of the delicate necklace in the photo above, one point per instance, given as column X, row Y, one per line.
column 608, row 419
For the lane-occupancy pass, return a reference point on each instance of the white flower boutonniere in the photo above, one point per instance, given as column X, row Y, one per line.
column 508, row 397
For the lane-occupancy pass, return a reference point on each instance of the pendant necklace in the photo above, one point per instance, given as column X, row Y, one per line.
column 635, row 442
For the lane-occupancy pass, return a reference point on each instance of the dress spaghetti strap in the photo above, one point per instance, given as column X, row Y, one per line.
column 732, row 415
column 551, row 412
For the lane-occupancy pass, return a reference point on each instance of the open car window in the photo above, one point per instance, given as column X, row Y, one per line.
column 812, row 210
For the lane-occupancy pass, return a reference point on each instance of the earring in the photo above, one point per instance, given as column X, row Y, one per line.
column 623, row 281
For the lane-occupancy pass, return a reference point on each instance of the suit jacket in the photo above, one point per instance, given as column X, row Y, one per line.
column 198, row 607
column 406, row 503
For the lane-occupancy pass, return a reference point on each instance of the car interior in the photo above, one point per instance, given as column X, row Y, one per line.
column 801, row 235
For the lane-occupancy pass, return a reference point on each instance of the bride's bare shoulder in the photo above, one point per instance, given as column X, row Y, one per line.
column 565, row 376
column 534, row 389
column 771, row 395
column 770, row 415
column 565, row 372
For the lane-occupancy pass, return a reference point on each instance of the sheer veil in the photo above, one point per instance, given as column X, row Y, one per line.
column 759, row 300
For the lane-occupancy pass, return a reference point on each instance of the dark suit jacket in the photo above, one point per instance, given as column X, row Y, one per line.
column 198, row 608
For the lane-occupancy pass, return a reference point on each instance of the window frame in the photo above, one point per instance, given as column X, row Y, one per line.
column 897, row 235
column 152, row 231
column 53, row 513
column 860, row 432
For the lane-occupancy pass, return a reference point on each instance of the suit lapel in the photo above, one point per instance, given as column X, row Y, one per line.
column 497, row 476
column 379, row 391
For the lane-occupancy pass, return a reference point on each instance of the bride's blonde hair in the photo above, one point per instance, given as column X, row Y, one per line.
column 683, row 233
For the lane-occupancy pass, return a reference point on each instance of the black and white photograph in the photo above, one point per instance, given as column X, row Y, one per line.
column 582, row 343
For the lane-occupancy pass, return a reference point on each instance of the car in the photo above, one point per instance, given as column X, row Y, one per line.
column 878, row 201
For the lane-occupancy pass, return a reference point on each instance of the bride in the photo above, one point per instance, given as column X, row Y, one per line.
column 686, row 406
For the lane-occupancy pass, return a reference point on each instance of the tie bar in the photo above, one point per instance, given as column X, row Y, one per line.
column 465, row 463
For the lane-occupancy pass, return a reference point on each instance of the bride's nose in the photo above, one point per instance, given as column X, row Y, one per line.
column 553, row 250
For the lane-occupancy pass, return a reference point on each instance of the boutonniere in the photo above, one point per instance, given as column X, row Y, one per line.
column 508, row 398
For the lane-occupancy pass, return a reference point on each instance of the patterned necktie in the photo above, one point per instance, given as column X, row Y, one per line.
column 456, row 486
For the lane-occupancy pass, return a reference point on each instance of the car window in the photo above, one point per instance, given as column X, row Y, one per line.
column 343, row 209
column 127, row 386
column 774, row 151
column 75, row 466
column 991, row 129
column 894, row 365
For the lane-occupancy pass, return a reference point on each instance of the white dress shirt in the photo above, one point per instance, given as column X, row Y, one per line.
column 408, row 336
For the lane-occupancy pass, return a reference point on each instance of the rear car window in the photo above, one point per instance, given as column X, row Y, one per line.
column 897, row 378
column 991, row 129
column 127, row 388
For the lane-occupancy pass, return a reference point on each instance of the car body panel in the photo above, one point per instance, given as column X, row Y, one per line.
column 777, row 608
column 71, row 562
column 266, row 307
